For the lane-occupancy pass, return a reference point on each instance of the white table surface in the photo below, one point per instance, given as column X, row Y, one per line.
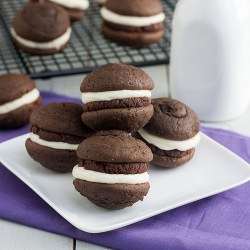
column 18, row 237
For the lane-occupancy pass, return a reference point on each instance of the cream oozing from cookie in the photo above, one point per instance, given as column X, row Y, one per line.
column 133, row 21
column 114, row 95
column 54, row 44
column 25, row 99
column 93, row 176
column 50, row 144
column 165, row 144
column 73, row 4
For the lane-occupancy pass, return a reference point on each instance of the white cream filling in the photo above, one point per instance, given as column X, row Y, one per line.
column 73, row 4
column 50, row 144
column 54, row 44
column 93, row 176
column 113, row 95
column 131, row 20
column 165, row 144
column 27, row 98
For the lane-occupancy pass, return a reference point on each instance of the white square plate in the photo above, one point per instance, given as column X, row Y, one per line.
column 212, row 170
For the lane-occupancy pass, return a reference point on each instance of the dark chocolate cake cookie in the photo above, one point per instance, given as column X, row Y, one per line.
column 56, row 132
column 41, row 28
column 117, row 96
column 75, row 8
column 172, row 133
column 116, row 177
column 18, row 98
column 136, row 23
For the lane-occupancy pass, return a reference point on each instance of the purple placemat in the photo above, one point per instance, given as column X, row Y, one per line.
column 218, row 222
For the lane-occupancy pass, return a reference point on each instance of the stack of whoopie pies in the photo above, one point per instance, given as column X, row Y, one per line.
column 112, row 168
column 109, row 165
column 112, row 171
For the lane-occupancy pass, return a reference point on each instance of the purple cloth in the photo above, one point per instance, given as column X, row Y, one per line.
column 218, row 222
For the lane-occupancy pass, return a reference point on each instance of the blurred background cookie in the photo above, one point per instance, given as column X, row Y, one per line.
column 101, row 2
column 172, row 133
column 41, row 28
column 136, row 23
column 117, row 96
column 56, row 132
column 116, row 177
column 75, row 8
column 18, row 98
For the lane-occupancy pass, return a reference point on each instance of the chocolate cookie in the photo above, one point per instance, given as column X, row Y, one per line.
column 136, row 23
column 56, row 132
column 172, row 133
column 117, row 96
column 75, row 8
column 116, row 177
column 18, row 98
column 41, row 28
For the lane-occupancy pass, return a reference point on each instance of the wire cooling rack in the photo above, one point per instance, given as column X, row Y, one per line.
column 87, row 48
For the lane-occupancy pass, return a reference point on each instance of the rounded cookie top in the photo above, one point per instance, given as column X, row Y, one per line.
column 117, row 76
column 41, row 22
column 140, row 8
column 64, row 118
column 172, row 120
column 13, row 86
column 114, row 146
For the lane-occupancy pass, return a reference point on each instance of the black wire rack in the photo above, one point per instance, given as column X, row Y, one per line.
column 87, row 49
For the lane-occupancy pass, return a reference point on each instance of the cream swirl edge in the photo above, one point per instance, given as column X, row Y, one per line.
column 97, row 177
column 54, row 44
column 131, row 20
column 55, row 145
column 113, row 95
column 73, row 4
column 165, row 144
column 27, row 98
